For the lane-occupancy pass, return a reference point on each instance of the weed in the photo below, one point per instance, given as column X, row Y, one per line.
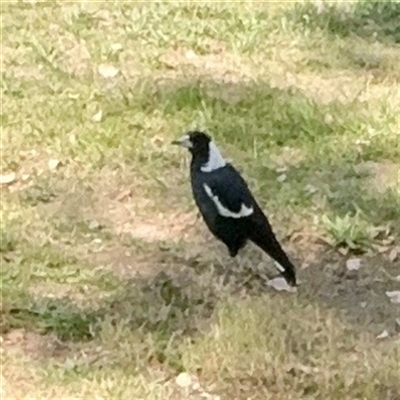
column 351, row 231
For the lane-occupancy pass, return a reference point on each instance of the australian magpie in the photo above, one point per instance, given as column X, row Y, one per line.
column 227, row 205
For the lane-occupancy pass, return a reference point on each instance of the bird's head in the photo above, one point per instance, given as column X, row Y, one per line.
column 205, row 153
column 195, row 141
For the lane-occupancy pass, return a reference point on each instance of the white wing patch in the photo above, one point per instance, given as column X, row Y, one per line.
column 223, row 211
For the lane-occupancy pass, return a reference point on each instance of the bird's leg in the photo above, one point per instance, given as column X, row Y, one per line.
column 263, row 271
column 233, row 252
column 235, row 246
column 238, row 270
column 247, row 274
column 246, row 271
column 233, row 267
column 270, row 275
column 256, row 271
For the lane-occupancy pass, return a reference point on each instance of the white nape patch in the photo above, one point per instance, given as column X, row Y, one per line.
column 215, row 159
column 223, row 211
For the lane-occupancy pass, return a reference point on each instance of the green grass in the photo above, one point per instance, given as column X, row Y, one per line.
column 111, row 286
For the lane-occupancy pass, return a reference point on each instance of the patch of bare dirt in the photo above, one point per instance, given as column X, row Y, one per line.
column 134, row 214
column 20, row 342
column 218, row 63
column 279, row 70
column 29, row 72
column 7, row 53
column 11, row 62
column 122, row 209
column 138, row 230
column 381, row 176
column 73, row 53
column 121, row 260
column 288, row 157
column 360, row 296
column 344, row 86
column 77, row 59
column 81, row 296
column 20, row 350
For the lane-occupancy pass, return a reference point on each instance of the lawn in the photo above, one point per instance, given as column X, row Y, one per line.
column 112, row 287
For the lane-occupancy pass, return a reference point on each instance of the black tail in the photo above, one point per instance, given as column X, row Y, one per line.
column 262, row 235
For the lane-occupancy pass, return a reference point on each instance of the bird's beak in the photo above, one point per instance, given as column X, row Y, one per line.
column 183, row 141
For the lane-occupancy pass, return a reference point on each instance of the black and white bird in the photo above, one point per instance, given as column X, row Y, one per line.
column 227, row 205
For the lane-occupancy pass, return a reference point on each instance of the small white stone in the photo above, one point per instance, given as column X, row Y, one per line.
column 353, row 264
column 183, row 380
column 328, row 119
column 190, row 55
column 116, row 47
column 53, row 163
column 98, row 116
column 394, row 253
column 107, row 71
column 7, row 178
column 72, row 138
column 281, row 178
column 310, row 189
column 383, row 335
column 394, row 296
column 93, row 225
column 69, row 364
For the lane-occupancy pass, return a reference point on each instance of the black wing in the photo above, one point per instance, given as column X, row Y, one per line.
column 230, row 189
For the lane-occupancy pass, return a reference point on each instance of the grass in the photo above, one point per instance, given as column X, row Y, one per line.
column 111, row 285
